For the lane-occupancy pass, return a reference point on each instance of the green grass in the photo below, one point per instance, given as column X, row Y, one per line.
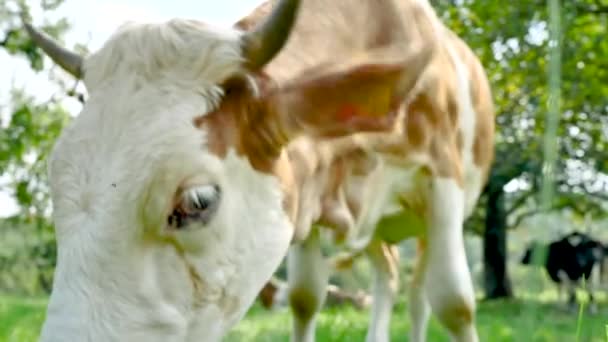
column 20, row 321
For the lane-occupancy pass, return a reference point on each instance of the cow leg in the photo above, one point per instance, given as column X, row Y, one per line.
column 418, row 304
column 603, row 270
column 561, row 294
column 448, row 282
column 592, row 303
column 308, row 277
column 570, row 289
column 384, row 259
column 571, row 297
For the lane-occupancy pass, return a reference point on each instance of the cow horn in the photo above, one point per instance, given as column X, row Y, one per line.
column 268, row 37
column 68, row 60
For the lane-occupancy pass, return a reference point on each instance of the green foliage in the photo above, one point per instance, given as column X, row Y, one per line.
column 27, row 243
column 28, row 247
column 512, row 40
column 16, row 41
column 20, row 319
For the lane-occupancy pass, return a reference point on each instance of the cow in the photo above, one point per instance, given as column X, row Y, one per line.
column 173, row 193
column 419, row 180
column 569, row 260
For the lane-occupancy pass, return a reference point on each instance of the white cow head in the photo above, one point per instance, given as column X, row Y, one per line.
column 171, row 188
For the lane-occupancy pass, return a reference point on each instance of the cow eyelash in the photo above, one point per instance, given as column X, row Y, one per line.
column 197, row 205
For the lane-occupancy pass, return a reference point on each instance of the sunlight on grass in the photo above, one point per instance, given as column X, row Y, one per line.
column 20, row 321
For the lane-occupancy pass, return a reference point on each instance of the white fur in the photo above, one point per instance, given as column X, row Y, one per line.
column 113, row 174
column 280, row 297
column 594, row 285
column 447, row 280
column 419, row 308
column 381, row 190
column 384, row 291
column 308, row 272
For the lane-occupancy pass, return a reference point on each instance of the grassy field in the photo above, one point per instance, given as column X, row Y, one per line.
column 20, row 321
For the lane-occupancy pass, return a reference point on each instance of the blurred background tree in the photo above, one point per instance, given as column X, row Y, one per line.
column 29, row 127
column 512, row 40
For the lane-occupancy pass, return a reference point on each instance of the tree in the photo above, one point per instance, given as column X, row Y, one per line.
column 28, row 251
column 512, row 42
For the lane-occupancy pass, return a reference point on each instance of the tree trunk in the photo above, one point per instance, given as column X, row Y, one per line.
column 497, row 283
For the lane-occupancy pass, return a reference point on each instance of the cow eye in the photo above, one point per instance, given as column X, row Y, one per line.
column 197, row 205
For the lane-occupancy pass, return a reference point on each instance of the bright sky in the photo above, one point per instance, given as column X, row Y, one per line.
column 92, row 23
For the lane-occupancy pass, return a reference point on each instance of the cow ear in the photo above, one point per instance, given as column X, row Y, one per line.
column 362, row 95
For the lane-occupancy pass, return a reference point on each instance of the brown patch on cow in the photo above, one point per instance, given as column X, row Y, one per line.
column 334, row 209
column 268, row 293
column 446, row 159
column 430, row 130
column 303, row 302
column 456, row 314
column 345, row 261
column 392, row 252
column 246, row 123
column 419, row 266
column 453, row 110
column 483, row 145
column 251, row 128
column 430, row 123
column 284, row 170
column 459, row 140
column 432, row 120
column 418, row 128
column 391, row 256
column 386, row 257
column 480, row 92
column 220, row 132
column 421, row 245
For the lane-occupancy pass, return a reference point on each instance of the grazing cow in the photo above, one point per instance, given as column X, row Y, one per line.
column 421, row 179
column 569, row 260
column 173, row 194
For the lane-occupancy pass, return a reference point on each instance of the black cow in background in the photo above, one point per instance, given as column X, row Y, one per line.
column 570, row 259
